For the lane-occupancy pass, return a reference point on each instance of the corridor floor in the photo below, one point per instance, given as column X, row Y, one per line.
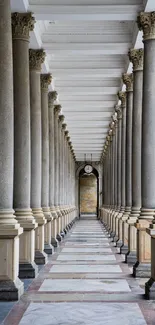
column 86, row 282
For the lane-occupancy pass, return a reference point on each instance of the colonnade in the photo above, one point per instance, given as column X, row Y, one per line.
column 37, row 161
column 129, row 162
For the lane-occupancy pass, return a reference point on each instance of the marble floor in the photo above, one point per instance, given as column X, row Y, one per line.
column 85, row 282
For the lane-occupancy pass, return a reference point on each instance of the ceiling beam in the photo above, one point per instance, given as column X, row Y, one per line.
column 86, row 12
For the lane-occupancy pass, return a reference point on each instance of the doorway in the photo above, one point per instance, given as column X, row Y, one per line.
column 88, row 193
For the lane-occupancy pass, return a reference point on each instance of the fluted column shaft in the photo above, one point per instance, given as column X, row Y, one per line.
column 45, row 82
column 57, row 167
column 115, row 165
column 52, row 96
column 119, row 160
column 119, row 175
column 8, row 224
column 61, row 120
column 123, row 152
column 36, row 58
column 122, row 97
column 128, row 80
column 22, row 24
column 56, row 155
column 136, row 57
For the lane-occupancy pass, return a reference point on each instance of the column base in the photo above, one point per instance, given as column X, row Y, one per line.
column 40, row 258
column 11, row 290
column 28, row 270
column 119, row 243
column 48, row 249
column 150, row 289
column 112, row 234
column 62, row 234
column 59, row 238
column 54, row 242
column 131, row 258
column 141, row 270
column 124, row 249
column 116, row 239
column 65, row 231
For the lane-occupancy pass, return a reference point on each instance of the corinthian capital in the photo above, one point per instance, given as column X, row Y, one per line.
column 66, row 133
column 146, row 23
column 22, row 24
column 136, row 57
column 36, row 58
column 57, row 109
column 118, row 110
column 122, row 97
column 128, row 81
column 52, row 96
column 61, row 119
column 64, row 127
column 45, row 81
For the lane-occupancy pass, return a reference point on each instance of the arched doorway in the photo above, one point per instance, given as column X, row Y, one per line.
column 88, row 193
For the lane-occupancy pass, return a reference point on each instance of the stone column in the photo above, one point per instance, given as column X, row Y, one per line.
column 107, row 179
column 107, row 143
column 57, row 110
column 36, row 58
column 52, row 96
column 22, row 24
column 63, row 176
column 136, row 57
column 60, row 203
column 45, row 82
column 115, row 182
column 119, row 175
column 128, row 81
column 110, row 179
column 112, row 130
column 146, row 22
column 11, row 286
column 122, row 98
column 66, row 178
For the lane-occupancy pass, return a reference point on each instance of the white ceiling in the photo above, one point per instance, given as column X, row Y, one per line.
column 86, row 42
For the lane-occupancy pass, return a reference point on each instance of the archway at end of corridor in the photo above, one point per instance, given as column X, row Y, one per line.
column 88, row 193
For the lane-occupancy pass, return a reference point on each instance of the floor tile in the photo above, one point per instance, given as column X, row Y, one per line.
column 86, row 250
column 86, row 269
column 80, row 285
column 83, row 314
column 78, row 257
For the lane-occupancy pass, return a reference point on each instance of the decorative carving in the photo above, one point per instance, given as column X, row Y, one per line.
column 45, row 81
column 128, row 81
column 136, row 56
column 57, row 109
column 114, row 118
column 64, row 126
column 119, row 112
column 146, row 23
column 112, row 125
column 122, row 97
column 61, row 120
column 22, row 24
column 66, row 133
column 36, row 58
column 52, row 96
